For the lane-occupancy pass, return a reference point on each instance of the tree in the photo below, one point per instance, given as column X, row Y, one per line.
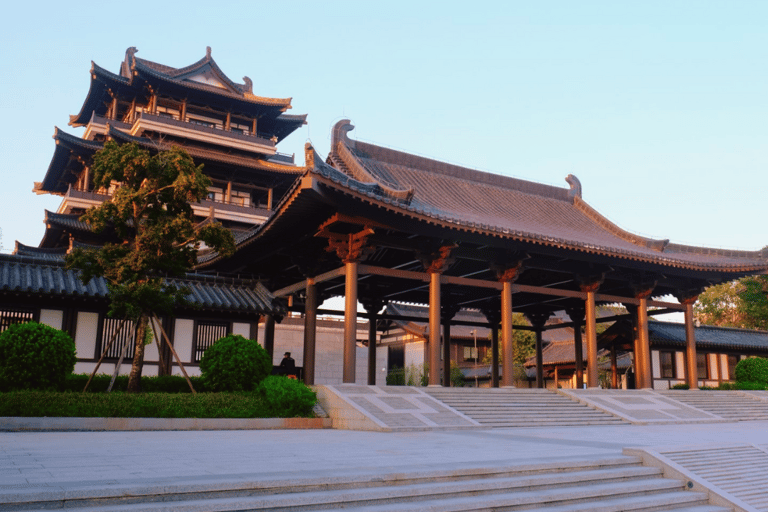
column 523, row 343
column 150, row 214
column 742, row 303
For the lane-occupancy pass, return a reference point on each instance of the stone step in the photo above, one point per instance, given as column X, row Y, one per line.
column 521, row 408
column 645, row 493
column 278, row 492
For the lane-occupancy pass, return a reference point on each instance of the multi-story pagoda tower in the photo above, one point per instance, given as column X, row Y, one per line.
column 221, row 123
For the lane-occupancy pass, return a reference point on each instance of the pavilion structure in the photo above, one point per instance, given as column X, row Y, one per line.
column 377, row 225
column 219, row 122
column 225, row 127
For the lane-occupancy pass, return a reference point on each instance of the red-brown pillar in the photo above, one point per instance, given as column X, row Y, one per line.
column 590, row 288
column 691, row 370
column 372, row 306
column 643, row 344
column 434, row 328
column 350, row 321
column 614, row 369
column 538, row 319
column 577, row 317
column 310, row 329
column 507, row 349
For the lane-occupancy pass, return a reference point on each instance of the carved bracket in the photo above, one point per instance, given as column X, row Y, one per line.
column 438, row 261
column 351, row 247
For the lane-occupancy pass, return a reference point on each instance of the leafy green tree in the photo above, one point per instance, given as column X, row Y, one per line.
column 150, row 213
column 523, row 342
column 742, row 303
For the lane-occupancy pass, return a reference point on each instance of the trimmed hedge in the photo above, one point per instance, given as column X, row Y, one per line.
column 234, row 363
column 137, row 405
column 163, row 384
column 35, row 356
column 753, row 369
column 286, row 398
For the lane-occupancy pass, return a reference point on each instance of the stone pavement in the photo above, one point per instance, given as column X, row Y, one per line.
column 34, row 462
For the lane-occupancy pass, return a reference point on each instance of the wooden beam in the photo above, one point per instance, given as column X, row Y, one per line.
column 289, row 290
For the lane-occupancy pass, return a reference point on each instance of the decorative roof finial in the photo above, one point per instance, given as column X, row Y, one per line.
column 575, row 184
column 248, row 84
column 340, row 130
column 208, row 51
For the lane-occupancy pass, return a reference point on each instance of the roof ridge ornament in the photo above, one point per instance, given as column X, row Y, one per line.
column 575, row 184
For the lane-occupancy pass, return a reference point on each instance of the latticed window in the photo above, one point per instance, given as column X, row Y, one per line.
column 206, row 335
column 702, row 366
column 126, row 335
column 667, row 363
column 9, row 316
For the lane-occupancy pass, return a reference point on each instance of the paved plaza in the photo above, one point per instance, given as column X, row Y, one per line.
column 74, row 462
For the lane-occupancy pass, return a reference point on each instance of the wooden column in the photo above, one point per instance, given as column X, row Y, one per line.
column 448, row 312
column 538, row 319
column 372, row 306
column 269, row 337
column 591, row 333
column 228, row 122
column 577, row 317
column 691, row 369
column 495, row 355
column 183, row 115
column 228, row 193
column 350, row 321
column 310, row 330
column 643, row 344
column 644, row 377
column 434, row 328
column 507, row 349
column 614, row 369
column 254, row 329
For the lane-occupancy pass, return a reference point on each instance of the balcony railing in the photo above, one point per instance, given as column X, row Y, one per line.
column 188, row 125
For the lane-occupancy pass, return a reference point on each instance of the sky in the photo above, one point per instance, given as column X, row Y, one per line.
column 658, row 107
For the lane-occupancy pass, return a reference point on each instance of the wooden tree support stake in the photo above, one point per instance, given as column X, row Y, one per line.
column 178, row 360
column 111, row 340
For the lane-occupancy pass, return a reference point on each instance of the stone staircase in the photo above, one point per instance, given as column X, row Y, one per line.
column 609, row 484
column 521, row 407
column 730, row 405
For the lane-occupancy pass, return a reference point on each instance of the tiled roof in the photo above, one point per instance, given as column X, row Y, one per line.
column 505, row 207
column 422, row 328
column 39, row 276
column 708, row 336
column 68, row 221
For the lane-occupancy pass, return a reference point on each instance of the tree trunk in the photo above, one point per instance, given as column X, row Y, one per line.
column 134, row 380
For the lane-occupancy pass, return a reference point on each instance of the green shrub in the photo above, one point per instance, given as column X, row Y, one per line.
column 234, row 363
column 396, row 376
column 749, row 386
column 753, row 369
column 156, row 384
column 681, row 385
column 286, row 398
column 35, row 356
column 457, row 377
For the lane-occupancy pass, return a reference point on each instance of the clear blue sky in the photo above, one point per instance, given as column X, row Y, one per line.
column 660, row 108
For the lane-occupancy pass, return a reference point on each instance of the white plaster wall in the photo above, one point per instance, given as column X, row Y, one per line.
column 724, row 366
column 655, row 364
column 242, row 329
column 182, row 339
column 52, row 317
column 712, row 362
column 85, row 338
column 680, row 365
column 414, row 353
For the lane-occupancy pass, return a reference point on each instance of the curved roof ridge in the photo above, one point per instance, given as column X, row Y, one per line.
column 735, row 253
column 284, row 103
column 396, row 157
column 602, row 221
